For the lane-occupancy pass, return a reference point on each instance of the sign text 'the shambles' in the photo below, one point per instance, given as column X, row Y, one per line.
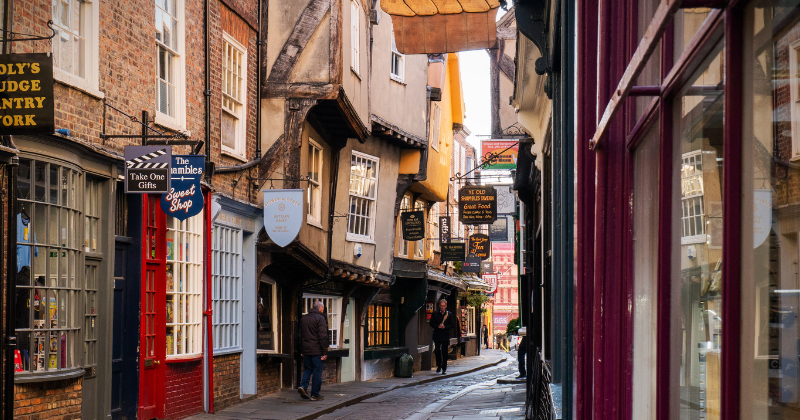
column 26, row 94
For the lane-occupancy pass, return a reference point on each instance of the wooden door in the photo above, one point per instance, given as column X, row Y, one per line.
column 152, row 342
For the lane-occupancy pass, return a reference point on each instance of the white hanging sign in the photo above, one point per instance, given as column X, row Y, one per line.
column 762, row 216
column 283, row 215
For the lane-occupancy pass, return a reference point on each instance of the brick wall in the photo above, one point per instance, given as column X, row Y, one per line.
column 227, row 380
column 184, row 387
column 268, row 376
column 330, row 370
column 48, row 400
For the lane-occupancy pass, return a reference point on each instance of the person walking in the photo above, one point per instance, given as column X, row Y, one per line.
column 485, row 333
column 313, row 344
column 521, row 352
column 442, row 321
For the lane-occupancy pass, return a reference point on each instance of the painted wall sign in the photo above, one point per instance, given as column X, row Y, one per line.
column 283, row 215
column 477, row 205
column 491, row 280
column 507, row 158
column 472, row 264
column 762, row 216
column 26, row 94
column 480, row 245
column 184, row 198
column 413, row 225
column 444, row 229
column 236, row 221
column 453, row 251
column 147, row 169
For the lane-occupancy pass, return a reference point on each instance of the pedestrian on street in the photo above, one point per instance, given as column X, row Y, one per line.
column 442, row 321
column 485, row 333
column 522, row 350
column 313, row 344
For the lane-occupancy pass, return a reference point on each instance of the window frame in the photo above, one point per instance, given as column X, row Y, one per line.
column 356, row 237
column 372, row 323
column 355, row 37
column 193, row 294
column 90, row 31
column 240, row 136
column 227, row 303
column 436, row 126
column 688, row 199
column 275, row 314
column 333, row 317
column 314, row 215
column 178, row 68
column 471, row 321
column 794, row 88
column 399, row 60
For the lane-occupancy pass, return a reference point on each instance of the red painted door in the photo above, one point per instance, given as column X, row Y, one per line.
column 152, row 341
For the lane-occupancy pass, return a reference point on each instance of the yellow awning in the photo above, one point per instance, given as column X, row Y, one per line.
column 442, row 26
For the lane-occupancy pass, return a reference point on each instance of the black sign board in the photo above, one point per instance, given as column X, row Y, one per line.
column 477, row 205
column 480, row 245
column 266, row 340
column 444, row 229
column 472, row 264
column 487, row 266
column 26, row 94
column 453, row 251
column 147, row 169
column 498, row 231
column 413, row 225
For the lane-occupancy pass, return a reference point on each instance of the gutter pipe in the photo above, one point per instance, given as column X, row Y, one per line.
column 209, row 358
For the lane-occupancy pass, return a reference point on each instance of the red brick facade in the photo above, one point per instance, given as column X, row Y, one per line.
column 48, row 400
column 184, row 387
column 268, row 376
column 227, row 380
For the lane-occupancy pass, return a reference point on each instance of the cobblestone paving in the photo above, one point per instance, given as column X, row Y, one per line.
column 472, row 396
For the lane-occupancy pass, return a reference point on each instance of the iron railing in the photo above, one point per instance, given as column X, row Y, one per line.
column 539, row 401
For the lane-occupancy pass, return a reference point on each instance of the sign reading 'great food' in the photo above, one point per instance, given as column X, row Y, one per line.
column 26, row 94
column 477, row 205
column 283, row 215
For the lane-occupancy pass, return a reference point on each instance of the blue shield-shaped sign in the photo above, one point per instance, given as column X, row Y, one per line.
column 184, row 198
column 283, row 215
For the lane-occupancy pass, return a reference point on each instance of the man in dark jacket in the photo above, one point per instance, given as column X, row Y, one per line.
column 442, row 321
column 313, row 344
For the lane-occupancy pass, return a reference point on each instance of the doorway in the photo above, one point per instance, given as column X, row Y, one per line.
column 348, row 342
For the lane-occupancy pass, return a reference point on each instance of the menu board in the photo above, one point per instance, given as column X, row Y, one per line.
column 477, row 205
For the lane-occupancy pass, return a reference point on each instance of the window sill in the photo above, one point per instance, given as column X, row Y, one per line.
column 31, row 377
column 373, row 353
column 272, row 354
column 231, row 154
column 75, row 82
column 361, row 239
column 397, row 79
column 355, row 73
column 170, row 123
column 182, row 358
column 225, row 352
column 693, row 240
column 315, row 223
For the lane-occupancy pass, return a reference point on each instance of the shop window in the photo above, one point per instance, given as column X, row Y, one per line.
column 234, row 96
column 333, row 307
column 697, row 284
column 314, row 192
column 170, row 62
column 419, row 246
column 184, row 286
column 267, row 309
column 469, row 321
column 405, row 205
column 363, row 193
column 51, row 287
column 398, row 66
column 75, row 45
column 794, row 91
column 378, row 325
column 436, row 121
column 355, row 36
column 226, row 292
column 692, row 203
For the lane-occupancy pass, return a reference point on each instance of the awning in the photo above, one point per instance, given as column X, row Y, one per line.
column 442, row 26
column 452, row 281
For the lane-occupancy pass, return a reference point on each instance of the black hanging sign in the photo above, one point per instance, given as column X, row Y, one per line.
column 480, row 245
column 413, row 225
column 147, row 169
column 487, row 266
column 444, row 229
column 453, row 251
column 26, row 94
column 472, row 264
column 477, row 205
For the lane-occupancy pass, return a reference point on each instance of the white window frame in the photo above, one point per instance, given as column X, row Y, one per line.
column 90, row 32
column 436, row 123
column 356, row 237
column 419, row 246
column 274, row 317
column 241, row 116
column 185, row 259
column 355, row 37
column 333, row 310
column 314, row 192
column 226, row 292
column 692, row 192
column 397, row 74
column 177, row 121
column 470, row 321
column 794, row 89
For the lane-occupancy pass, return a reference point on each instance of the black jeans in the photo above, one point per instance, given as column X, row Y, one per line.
column 521, row 351
column 440, row 349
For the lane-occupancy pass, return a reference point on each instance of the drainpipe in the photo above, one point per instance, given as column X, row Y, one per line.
column 208, row 174
column 207, row 92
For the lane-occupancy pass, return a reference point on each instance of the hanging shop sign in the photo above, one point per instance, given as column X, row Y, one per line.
column 487, row 266
column 477, row 205
column 506, row 200
column 491, row 280
column 762, row 216
column 444, row 229
column 429, row 310
column 413, row 225
column 472, row 264
column 480, row 245
column 506, row 151
column 26, row 94
column 453, row 251
column 184, row 198
column 147, row 169
column 283, row 215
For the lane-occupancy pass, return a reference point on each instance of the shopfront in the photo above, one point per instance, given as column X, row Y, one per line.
column 700, row 145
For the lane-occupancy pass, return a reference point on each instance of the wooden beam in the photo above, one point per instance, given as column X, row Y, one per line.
column 296, row 43
column 300, row 90
column 295, row 112
column 507, row 66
